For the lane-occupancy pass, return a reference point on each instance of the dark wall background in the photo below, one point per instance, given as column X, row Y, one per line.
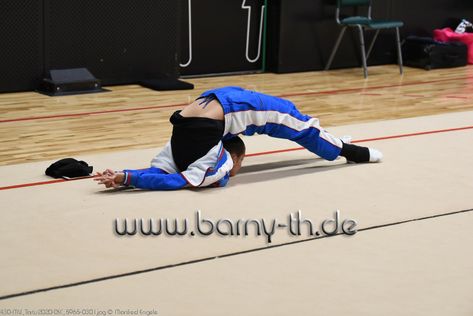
column 219, row 36
column 302, row 33
column 21, row 46
column 123, row 41
column 118, row 41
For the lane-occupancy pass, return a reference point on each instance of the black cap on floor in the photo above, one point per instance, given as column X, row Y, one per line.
column 69, row 167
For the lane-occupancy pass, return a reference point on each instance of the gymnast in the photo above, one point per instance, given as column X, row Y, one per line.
column 205, row 150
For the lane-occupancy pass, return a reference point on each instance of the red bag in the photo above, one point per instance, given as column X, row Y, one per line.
column 448, row 35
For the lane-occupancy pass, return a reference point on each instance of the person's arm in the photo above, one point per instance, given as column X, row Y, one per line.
column 151, row 179
column 220, row 183
column 212, row 170
column 157, row 179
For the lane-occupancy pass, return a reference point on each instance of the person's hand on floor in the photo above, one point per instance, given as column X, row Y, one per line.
column 110, row 179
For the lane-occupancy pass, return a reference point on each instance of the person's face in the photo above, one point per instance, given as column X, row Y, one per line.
column 237, row 161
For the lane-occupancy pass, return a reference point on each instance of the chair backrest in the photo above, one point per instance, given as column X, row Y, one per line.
column 352, row 3
column 347, row 3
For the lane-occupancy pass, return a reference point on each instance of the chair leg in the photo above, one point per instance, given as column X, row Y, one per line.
column 363, row 54
column 372, row 44
column 335, row 48
column 399, row 52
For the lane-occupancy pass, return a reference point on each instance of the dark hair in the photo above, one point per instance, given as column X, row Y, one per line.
column 235, row 146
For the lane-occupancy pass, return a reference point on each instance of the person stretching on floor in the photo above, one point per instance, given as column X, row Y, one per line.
column 205, row 149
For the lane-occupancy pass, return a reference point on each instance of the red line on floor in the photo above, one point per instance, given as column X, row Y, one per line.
column 262, row 153
column 274, row 152
column 16, row 186
column 415, row 134
column 90, row 113
column 455, row 97
column 32, row 118
column 32, row 184
column 373, row 87
column 413, row 95
column 369, row 140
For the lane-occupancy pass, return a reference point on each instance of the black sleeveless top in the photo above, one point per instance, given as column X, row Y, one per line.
column 193, row 137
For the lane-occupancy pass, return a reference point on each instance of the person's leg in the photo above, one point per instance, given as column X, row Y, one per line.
column 354, row 153
column 285, row 121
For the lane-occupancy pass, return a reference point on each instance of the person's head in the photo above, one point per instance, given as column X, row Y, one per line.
column 236, row 147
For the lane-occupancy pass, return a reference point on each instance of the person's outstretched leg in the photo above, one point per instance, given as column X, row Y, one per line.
column 354, row 153
column 285, row 121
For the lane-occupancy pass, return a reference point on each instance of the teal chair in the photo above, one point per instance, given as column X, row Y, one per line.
column 364, row 23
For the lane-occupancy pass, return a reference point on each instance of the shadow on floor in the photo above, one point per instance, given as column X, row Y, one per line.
column 264, row 172
column 278, row 170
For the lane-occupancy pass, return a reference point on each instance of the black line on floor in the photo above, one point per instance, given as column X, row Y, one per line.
column 116, row 276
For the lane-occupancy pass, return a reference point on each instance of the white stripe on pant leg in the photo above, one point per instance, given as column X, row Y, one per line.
column 239, row 122
column 330, row 138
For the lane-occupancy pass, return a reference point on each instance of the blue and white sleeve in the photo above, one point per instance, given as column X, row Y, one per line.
column 154, row 179
column 211, row 170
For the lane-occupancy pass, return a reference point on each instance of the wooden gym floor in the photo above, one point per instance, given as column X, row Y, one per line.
column 414, row 211
column 34, row 127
